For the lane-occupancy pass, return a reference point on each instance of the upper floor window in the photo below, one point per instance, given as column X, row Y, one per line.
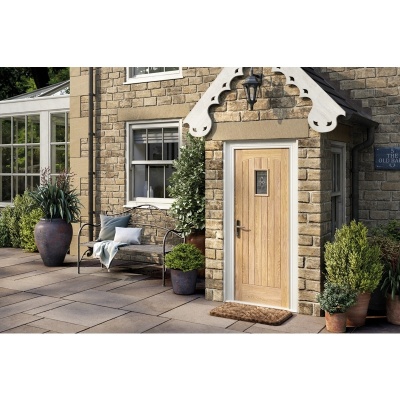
column 150, row 74
column 152, row 149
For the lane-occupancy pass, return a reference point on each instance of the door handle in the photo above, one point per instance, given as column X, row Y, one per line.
column 239, row 227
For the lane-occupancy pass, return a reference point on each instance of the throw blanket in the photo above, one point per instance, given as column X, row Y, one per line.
column 106, row 250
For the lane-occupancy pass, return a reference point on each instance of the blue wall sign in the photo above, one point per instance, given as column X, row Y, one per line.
column 387, row 158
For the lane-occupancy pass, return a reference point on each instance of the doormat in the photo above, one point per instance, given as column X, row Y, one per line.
column 249, row 313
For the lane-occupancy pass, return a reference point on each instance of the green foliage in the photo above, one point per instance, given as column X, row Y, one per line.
column 27, row 228
column 5, row 223
column 15, row 231
column 336, row 298
column 387, row 237
column 187, row 186
column 185, row 257
column 351, row 260
column 57, row 199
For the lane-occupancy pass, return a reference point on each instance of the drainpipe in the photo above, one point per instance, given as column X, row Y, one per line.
column 355, row 153
column 90, row 168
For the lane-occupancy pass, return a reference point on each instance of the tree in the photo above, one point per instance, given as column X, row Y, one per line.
column 19, row 80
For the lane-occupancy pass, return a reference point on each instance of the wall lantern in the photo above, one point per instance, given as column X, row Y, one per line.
column 251, row 85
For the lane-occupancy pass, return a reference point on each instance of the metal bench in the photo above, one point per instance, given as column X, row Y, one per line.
column 157, row 237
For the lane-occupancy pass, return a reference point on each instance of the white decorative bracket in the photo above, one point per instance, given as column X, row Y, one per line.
column 325, row 111
column 198, row 119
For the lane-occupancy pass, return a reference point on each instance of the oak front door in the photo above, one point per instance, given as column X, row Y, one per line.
column 262, row 226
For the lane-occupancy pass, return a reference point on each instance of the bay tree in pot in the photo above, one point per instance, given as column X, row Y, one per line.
column 352, row 260
column 60, row 206
column 335, row 300
column 184, row 260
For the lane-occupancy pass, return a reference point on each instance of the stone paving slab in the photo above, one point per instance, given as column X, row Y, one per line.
column 15, row 320
column 102, row 298
column 142, row 289
column 160, row 303
column 174, row 326
column 25, row 305
column 198, row 312
column 16, row 298
column 57, row 326
column 48, row 307
column 128, row 323
column 7, row 292
column 82, row 314
column 71, row 286
column 26, row 329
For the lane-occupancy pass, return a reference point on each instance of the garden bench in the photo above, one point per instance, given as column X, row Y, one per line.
column 157, row 238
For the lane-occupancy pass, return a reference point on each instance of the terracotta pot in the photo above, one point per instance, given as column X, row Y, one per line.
column 53, row 238
column 336, row 323
column 183, row 282
column 393, row 310
column 357, row 314
column 198, row 239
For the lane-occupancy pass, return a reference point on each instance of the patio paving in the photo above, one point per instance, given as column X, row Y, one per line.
column 38, row 299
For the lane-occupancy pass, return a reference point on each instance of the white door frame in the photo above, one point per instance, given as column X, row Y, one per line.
column 229, row 212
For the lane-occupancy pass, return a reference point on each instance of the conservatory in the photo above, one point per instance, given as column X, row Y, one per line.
column 34, row 134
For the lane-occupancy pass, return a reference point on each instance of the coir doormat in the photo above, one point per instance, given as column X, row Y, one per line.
column 249, row 313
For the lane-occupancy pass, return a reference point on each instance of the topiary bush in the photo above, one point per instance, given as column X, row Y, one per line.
column 187, row 186
column 351, row 260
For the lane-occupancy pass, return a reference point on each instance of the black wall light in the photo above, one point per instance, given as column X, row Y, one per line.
column 252, row 86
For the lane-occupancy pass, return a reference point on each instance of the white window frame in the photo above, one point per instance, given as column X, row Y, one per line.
column 339, row 148
column 161, row 76
column 43, row 107
column 132, row 125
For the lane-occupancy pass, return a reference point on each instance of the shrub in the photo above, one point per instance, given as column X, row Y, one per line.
column 27, row 228
column 336, row 299
column 351, row 260
column 5, row 218
column 185, row 257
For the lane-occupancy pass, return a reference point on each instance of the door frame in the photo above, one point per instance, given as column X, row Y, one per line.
column 229, row 213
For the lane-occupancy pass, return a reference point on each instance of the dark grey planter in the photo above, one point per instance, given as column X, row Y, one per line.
column 53, row 238
column 183, row 282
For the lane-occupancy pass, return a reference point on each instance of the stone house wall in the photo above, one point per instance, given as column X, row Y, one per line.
column 117, row 103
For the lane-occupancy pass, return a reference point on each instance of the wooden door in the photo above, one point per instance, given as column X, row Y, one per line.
column 262, row 226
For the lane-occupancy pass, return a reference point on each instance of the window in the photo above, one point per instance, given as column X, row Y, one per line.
column 152, row 149
column 338, row 208
column 19, row 155
column 27, row 145
column 59, row 142
column 150, row 74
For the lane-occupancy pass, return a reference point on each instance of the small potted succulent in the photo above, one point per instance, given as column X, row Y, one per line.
column 184, row 260
column 60, row 206
column 335, row 300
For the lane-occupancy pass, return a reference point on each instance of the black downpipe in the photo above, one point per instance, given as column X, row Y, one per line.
column 90, row 169
column 355, row 170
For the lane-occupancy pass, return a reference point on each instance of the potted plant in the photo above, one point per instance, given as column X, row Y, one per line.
column 335, row 300
column 351, row 260
column 187, row 187
column 184, row 260
column 60, row 207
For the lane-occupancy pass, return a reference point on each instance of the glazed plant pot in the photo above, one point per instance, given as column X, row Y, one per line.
column 336, row 323
column 357, row 314
column 183, row 282
column 393, row 310
column 53, row 238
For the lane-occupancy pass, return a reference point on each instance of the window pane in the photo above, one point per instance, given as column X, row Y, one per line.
column 33, row 164
column 5, row 130
column 5, row 188
column 155, row 151
column 58, row 159
column 139, row 181
column 141, row 70
column 19, row 185
column 32, row 182
column 171, row 69
column 19, row 130
column 156, row 182
column 5, row 155
column 19, row 160
column 156, row 70
column 168, row 172
column 58, row 128
column 33, row 129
